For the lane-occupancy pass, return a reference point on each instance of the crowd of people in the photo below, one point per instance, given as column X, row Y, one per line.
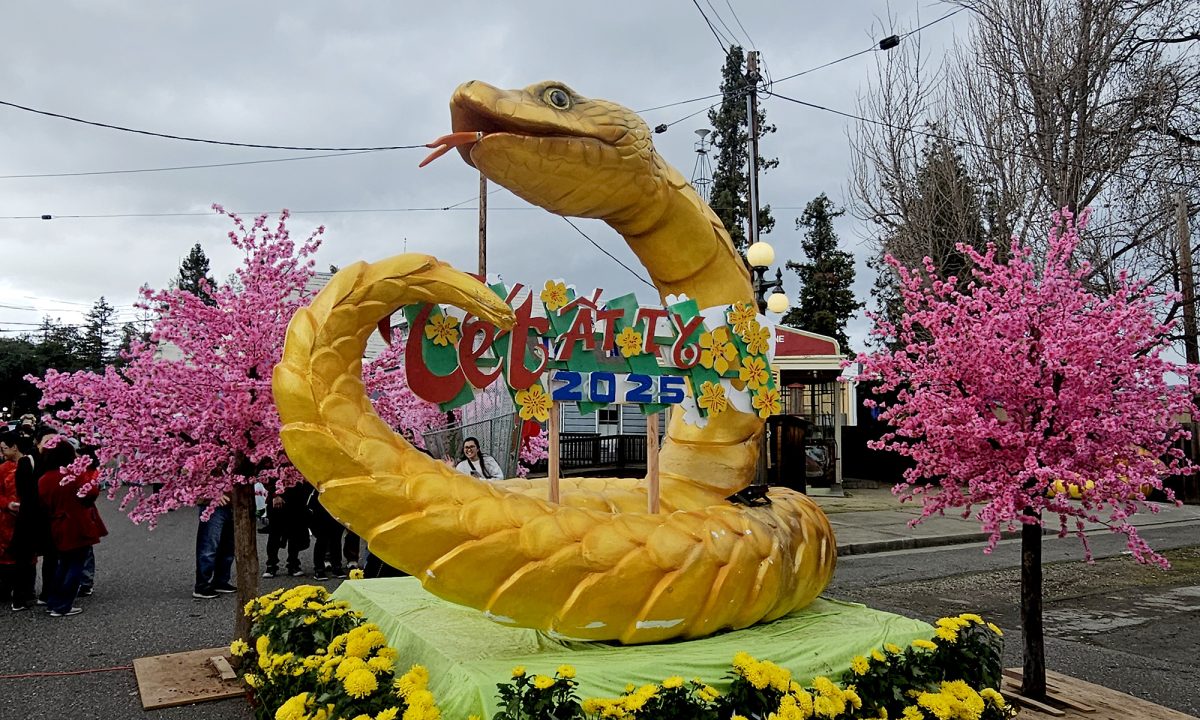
column 44, row 519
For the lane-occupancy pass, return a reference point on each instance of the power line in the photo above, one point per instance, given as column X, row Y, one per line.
column 733, row 37
column 601, row 249
column 720, row 41
column 186, row 138
column 962, row 141
column 185, row 167
column 738, row 20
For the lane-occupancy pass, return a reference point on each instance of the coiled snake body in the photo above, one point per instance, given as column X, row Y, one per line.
column 595, row 566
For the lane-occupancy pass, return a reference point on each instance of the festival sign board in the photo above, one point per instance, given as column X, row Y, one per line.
column 595, row 353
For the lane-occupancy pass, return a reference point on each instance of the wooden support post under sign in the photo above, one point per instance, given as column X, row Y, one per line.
column 552, row 460
column 652, row 491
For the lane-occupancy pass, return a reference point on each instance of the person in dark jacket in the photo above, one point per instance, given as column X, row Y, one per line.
column 287, row 527
column 75, row 526
column 30, row 527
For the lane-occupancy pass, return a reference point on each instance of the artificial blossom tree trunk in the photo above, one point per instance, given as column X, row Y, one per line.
column 1033, row 678
column 245, row 553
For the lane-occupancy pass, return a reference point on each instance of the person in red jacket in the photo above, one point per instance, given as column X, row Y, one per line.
column 9, row 506
column 75, row 526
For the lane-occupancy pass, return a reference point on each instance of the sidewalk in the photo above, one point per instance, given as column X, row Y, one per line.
column 872, row 520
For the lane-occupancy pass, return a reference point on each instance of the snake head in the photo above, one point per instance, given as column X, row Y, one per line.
column 561, row 151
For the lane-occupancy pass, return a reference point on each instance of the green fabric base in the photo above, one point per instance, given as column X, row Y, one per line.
column 467, row 654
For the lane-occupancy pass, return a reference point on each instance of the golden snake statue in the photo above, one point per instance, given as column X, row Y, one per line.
column 595, row 566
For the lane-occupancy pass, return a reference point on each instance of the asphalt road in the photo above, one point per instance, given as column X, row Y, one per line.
column 1115, row 623
column 143, row 606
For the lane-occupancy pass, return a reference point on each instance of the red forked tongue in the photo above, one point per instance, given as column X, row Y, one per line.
column 447, row 142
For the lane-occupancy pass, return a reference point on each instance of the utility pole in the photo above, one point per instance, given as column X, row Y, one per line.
column 483, row 193
column 1188, row 282
column 752, row 123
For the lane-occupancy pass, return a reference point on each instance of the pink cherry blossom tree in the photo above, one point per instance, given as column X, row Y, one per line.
column 190, row 419
column 1025, row 398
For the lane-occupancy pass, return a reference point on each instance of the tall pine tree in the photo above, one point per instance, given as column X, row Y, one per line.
column 730, row 195
column 192, row 270
column 99, row 329
column 944, row 208
column 826, row 298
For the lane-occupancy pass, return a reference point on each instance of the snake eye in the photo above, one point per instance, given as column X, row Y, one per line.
column 557, row 98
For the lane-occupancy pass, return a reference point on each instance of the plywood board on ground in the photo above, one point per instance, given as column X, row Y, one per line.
column 1105, row 704
column 183, row 678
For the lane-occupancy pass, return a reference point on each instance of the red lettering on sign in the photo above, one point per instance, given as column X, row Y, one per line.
column 468, row 354
column 608, row 317
column 520, row 377
column 649, row 345
column 426, row 385
column 679, row 351
column 581, row 331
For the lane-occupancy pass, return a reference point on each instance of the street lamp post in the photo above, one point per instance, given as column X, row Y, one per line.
column 759, row 257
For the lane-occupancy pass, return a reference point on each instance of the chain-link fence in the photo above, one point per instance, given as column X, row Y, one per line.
column 498, row 436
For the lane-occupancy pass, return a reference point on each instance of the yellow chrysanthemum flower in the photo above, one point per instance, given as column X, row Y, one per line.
column 877, row 656
column 673, row 682
column 238, row 648
column 518, row 671
column 294, row 708
column 542, row 682
column 360, row 683
column 860, row 665
column 912, row 712
column 380, row 664
column 566, row 671
column 947, row 634
column 357, row 574
column 252, row 680
column 971, row 617
column 991, row 696
column 924, row 644
column 892, row 648
column 995, row 629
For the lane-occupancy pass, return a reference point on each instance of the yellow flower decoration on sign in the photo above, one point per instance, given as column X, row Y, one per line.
column 756, row 337
column 442, row 330
column 754, row 372
column 554, row 295
column 534, row 403
column 717, row 352
column 712, row 398
column 766, row 402
column 740, row 316
column 630, row 342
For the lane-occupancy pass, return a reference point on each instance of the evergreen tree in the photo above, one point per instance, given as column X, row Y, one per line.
column 95, row 347
column 58, row 346
column 826, row 298
column 192, row 270
column 945, row 208
column 18, row 358
column 730, row 195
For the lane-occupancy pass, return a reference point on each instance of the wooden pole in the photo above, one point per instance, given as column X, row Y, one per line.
column 245, row 553
column 652, row 491
column 483, row 226
column 552, row 461
column 1187, row 282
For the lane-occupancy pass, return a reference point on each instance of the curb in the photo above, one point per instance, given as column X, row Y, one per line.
column 926, row 541
column 880, row 546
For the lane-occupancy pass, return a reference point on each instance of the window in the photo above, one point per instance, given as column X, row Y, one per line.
column 608, row 420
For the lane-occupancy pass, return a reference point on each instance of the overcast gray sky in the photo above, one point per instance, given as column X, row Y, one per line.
column 369, row 74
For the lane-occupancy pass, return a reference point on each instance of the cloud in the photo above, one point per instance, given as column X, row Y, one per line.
column 361, row 74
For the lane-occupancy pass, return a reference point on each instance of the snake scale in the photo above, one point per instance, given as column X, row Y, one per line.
column 595, row 566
